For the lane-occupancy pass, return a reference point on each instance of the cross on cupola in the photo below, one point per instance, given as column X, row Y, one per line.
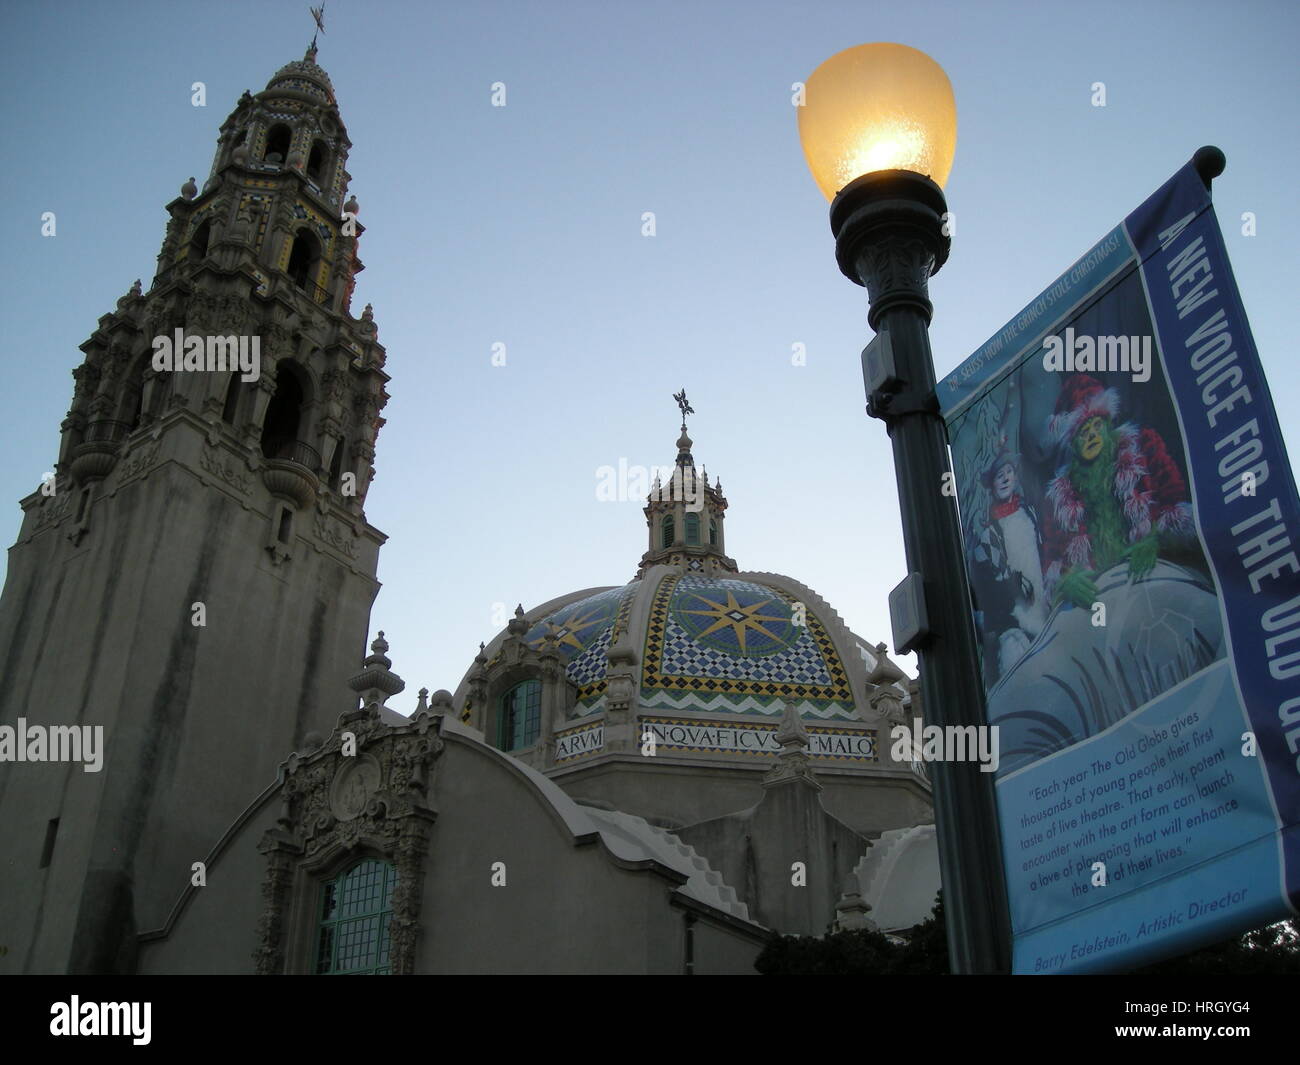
column 685, row 513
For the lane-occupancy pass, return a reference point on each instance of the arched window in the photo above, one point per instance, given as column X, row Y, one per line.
column 668, row 530
column 277, row 145
column 316, row 161
column 303, row 259
column 713, row 532
column 199, row 242
column 162, row 389
column 352, row 935
column 336, row 463
column 519, row 719
column 231, row 408
column 283, row 415
column 132, row 407
column 692, row 528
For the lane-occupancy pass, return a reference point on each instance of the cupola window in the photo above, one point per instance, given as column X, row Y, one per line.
column 336, row 464
column 303, row 259
column 199, row 242
column 316, row 162
column 692, row 528
column 283, row 416
column 519, row 721
column 231, row 408
column 355, row 908
column 713, row 532
column 668, row 530
column 277, row 145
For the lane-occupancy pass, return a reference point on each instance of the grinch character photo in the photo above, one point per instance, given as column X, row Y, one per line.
column 1131, row 609
column 1117, row 495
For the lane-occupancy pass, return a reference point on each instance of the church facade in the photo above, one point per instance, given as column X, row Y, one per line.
column 650, row 777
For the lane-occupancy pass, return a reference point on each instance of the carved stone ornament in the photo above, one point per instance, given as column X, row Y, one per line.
column 137, row 462
column 53, row 510
column 335, row 805
column 335, row 535
column 225, row 468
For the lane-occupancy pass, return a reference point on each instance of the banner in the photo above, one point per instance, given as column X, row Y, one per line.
column 1130, row 525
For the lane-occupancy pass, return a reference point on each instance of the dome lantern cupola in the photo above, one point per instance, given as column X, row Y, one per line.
column 685, row 514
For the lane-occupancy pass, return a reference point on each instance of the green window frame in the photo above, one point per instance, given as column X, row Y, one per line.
column 668, row 530
column 519, row 717
column 713, row 532
column 692, row 528
column 354, row 910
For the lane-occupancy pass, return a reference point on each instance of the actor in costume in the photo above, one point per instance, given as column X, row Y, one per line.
column 1117, row 494
column 1008, row 571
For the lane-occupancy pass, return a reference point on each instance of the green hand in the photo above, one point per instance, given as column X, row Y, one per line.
column 1078, row 587
column 1142, row 557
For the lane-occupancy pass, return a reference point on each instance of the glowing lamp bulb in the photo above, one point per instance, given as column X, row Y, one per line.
column 877, row 107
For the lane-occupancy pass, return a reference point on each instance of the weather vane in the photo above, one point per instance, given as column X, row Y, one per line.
column 318, row 14
column 686, row 407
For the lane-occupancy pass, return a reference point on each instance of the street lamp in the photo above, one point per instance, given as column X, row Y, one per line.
column 879, row 127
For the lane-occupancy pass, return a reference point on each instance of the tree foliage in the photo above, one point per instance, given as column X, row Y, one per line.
column 1268, row 951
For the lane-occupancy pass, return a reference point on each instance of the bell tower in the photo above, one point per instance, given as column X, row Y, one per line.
column 195, row 578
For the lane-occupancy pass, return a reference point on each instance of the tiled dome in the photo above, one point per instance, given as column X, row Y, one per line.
column 738, row 644
column 303, row 75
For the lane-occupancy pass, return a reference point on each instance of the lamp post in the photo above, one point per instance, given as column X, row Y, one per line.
column 877, row 120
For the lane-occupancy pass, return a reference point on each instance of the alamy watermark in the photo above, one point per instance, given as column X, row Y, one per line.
column 656, row 484
column 53, row 743
column 216, row 354
column 102, row 1018
column 946, row 743
column 1098, row 354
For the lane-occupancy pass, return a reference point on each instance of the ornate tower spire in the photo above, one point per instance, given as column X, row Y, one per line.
column 207, row 525
column 685, row 514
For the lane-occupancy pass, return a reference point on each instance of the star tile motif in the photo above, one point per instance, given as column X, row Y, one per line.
column 694, row 645
column 743, row 619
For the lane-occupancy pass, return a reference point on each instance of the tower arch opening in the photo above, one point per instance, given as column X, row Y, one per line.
column 282, row 427
column 304, row 258
column 317, row 161
column 277, row 145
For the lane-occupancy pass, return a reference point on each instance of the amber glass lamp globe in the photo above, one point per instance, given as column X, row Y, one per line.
column 877, row 107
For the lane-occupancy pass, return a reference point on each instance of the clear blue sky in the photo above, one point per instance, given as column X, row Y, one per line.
column 522, row 225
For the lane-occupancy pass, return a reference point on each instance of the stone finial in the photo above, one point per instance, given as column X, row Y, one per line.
column 189, row 190
column 368, row 315
column 517, row 625
column 792, row 762
column 620, row 674
column 851, row 910
column 240, row 154
column 137, row 289
column 376, row 681
column 380, row 648
column 792, row 736
column 441, row 701
column 352, row 207
column 423, row 703
column 479, row 668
